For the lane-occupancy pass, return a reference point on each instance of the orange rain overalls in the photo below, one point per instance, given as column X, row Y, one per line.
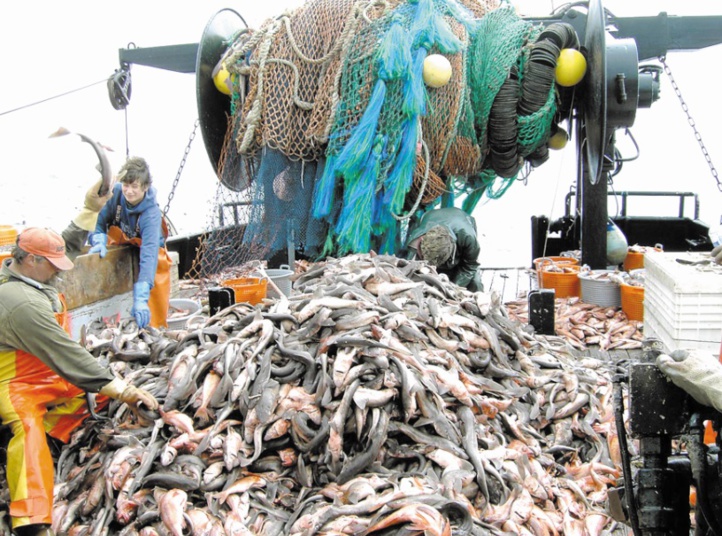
column 34, row 401
column 159, row 300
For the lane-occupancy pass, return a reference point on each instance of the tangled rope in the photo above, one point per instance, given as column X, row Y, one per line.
column 340, row 82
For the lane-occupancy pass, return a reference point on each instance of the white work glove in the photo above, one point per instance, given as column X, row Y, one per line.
column 717, row 254
column 130, row 394
column 699, row 373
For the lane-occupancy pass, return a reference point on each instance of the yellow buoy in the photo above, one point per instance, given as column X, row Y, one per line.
column 222, row 79
column 571, row 67
column 559, row 139
column 437, row 70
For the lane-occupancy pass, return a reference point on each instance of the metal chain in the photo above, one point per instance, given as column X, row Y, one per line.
column 180, row 168
column 691, row 122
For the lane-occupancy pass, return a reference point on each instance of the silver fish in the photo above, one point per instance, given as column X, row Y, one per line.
column 105, row 169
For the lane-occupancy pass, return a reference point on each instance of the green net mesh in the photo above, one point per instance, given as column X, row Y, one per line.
column 534, row 129
column 496, row 47
column 338, row 84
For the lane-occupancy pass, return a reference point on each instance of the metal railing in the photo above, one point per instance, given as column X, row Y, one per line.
column 626, row 195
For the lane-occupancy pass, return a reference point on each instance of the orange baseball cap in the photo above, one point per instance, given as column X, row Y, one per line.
column 45, row 243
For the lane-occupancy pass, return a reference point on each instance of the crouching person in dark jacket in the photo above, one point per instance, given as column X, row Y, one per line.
column 446, row 239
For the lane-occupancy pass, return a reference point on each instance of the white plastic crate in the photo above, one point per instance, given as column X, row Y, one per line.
column 682, row 310
column 682, row 304
column 676, row 338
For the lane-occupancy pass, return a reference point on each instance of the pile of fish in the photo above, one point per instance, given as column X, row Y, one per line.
column 377, row 399
column 585, row 324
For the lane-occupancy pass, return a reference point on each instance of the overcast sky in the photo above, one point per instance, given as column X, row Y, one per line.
column 52, row 47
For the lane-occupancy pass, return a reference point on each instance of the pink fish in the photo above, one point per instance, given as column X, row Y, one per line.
column 172, row 507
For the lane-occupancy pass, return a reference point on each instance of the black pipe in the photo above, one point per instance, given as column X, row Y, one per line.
column 626, row 462
column 698, row 459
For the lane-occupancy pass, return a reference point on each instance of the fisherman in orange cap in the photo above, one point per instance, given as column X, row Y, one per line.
column 43, row 375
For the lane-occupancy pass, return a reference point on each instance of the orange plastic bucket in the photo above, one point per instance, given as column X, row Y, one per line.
column 556, row 260
column 8, row 235
column 247, row 289
column 632, row 298
column 635, row 257
column 539, row 262
column 633, row 261
column 565, row 282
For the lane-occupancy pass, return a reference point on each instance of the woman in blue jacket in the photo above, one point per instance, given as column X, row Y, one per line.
column 132, row 216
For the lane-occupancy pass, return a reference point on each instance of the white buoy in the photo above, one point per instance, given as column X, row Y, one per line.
column 617, row 245
column 437, row 70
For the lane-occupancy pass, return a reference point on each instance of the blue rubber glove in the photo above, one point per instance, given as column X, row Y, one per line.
column 140, row 310
column 99, row 242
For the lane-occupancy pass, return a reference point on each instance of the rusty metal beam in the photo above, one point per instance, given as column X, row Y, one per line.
column 94, row 279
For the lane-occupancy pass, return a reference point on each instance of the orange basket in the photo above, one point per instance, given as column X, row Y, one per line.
column 8, row 235
column 565, row 283
column 632, row 298
column 540, row 262
column 635, row 259
column 247, row 289
column 543, row 261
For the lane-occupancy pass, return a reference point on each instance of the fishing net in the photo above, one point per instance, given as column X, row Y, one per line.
column 221, row 244
column 330, row 111
column 427, row 186
column 264, row 221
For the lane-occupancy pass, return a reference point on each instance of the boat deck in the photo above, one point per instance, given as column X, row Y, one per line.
column 514, row 284
column 511, row 283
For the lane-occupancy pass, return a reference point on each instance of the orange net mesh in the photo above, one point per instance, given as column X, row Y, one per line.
column 295, row 81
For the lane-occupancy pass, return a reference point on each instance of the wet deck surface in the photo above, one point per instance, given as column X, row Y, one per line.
column 511, row 283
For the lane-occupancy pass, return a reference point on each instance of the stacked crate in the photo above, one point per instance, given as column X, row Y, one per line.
column 683, row 302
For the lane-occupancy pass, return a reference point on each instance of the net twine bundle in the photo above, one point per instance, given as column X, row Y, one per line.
column 292, row 66
column 296, row 115
column 322, row 85
column 377, row 178
column 426, row 185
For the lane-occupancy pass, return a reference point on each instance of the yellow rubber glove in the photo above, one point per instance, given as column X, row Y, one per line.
column 130, row 394
column 88, row 215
